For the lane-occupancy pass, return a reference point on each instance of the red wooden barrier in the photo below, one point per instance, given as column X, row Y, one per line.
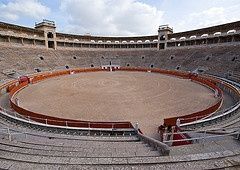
column 78, row 123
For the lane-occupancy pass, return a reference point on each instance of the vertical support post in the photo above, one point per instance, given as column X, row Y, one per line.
column 178, row 122
column 9, row 135
column 136, row 126
column 89, row 128
column 172, row 135
column 158, row 43
column 204, row 136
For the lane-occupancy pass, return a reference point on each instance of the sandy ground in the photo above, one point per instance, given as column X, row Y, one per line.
column 146, row 98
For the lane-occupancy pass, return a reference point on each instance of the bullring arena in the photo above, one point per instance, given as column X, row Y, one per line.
column 165, row 101
column 117, row 96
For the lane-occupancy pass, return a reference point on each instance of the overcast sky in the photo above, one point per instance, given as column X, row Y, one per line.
column 120, row 17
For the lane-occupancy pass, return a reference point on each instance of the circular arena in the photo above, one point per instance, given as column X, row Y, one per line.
column 165, row 101
column 138, row 97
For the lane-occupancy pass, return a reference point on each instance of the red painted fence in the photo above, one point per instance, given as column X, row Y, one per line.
column 14, row 88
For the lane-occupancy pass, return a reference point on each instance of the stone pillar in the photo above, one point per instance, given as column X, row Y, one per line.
column 54, row 40
column 158, row 44
column 46, row 39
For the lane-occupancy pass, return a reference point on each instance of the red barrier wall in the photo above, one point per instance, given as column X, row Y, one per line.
column 17, row 87
column 78, row 123
column 67, row 122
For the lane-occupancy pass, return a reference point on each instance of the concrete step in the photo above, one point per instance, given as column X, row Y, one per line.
column 90, row 152
column 73, row 144
column 220, row 160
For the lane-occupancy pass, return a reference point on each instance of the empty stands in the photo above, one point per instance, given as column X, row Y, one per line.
column 27, row 60
column 23, row 146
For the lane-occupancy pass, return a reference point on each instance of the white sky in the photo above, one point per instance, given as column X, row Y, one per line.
column 120, row 17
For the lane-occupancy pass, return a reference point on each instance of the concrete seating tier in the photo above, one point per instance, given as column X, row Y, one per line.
column 18, row 159
column 214, row 59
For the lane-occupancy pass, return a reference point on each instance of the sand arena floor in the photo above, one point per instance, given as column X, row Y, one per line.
column 146, row 98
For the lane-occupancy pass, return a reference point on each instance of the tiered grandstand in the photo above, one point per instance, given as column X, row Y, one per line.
column 207, row 58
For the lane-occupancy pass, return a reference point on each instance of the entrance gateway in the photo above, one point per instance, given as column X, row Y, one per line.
column 110, row 67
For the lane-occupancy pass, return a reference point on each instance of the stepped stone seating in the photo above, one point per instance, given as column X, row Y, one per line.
column 63, row 149
column 55, row 153
column 77, row 148
column 48, row 150
column 216, row 59
column 3, row 78
column 235, row 76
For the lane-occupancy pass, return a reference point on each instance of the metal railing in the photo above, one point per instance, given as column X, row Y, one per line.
column 203, row 138
column 89, row 126
column 203, row 135
column 222, row 115
column 11, row 133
